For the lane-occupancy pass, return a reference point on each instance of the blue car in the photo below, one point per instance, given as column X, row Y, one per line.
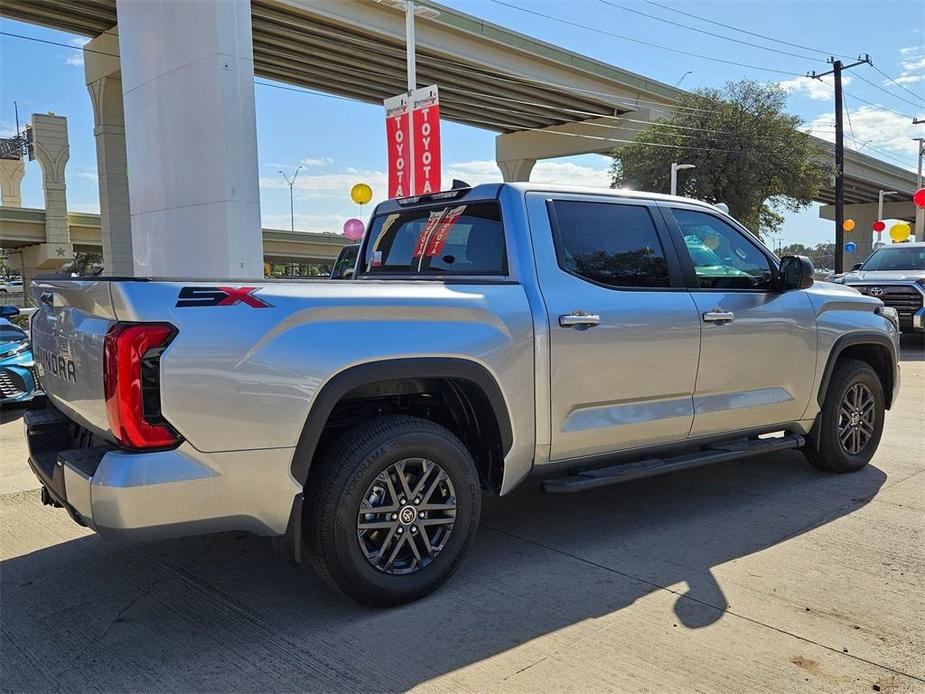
column 18, row 382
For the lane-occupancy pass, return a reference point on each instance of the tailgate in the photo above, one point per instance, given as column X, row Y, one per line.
column 67, row 339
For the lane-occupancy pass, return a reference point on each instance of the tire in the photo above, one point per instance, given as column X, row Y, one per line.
column 364, row 464
column 825, row 449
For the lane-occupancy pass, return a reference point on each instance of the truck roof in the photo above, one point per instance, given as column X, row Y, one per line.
column 490, row 191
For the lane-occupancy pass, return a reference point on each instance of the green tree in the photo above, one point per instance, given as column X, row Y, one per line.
column 82, row 264
column 747, row 151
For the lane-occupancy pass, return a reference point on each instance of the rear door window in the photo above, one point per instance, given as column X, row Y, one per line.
column 455, row 239
column 613, row 245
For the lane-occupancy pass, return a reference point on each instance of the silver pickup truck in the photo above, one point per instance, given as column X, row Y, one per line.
column 895, row 274
column 488, row 334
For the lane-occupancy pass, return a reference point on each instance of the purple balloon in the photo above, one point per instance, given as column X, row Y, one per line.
column 353, row 229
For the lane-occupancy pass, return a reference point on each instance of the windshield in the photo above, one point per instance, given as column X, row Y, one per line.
column 897, row 259
column 455, row 239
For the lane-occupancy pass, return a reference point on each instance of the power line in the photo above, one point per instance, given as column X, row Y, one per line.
column 917, row 96
column 644, row 43
column 850, row 127
column 708, row 33
column 502, row 76
column 889, row 93
column 745, row 31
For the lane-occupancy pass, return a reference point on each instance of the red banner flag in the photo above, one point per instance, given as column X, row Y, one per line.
column 425, row 134
column 438, row 237
column 412, row 126
column 398, row 145
column 432, row 220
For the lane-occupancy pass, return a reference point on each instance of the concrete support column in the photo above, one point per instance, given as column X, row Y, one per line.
column 516, row 169
column 191, row 137
column 11, row 173
column 104, row 82
column 52, row 152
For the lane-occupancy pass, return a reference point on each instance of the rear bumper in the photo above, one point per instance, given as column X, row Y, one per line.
column 146, row 496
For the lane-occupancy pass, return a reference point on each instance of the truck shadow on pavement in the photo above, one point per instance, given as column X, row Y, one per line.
column 221, row 613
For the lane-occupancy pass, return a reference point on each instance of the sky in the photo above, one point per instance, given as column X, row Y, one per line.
column 341, row 142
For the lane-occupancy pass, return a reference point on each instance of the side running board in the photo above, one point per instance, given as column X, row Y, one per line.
column 615, row 474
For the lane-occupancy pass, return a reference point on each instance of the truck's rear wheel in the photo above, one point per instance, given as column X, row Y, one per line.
column 848, row 429
column 391, row 510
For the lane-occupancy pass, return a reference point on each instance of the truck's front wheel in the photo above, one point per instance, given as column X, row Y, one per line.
column 848, row 428
column 391, row 510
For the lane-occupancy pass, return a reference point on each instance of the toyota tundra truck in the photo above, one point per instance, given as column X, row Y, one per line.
column 488, row 334
column 895, row 274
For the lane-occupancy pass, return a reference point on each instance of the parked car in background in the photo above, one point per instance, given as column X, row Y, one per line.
column 18, row 382
column 894, row 274
column 11, row 286
column 488, row 334
column 345, row 265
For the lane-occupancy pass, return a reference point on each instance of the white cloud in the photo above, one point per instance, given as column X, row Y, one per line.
column 77, row 57
column 90, row 207
column 912, row 65
column 550, row 171
column 330, row 185
column 320, row 161
column 909, row 79
column 816, row 89
column 873, row 127
column 329, row 193
column 324, row 223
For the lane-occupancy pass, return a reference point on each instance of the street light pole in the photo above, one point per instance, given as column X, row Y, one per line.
column 880, row 209
column 409, row 45
column 919, row 229
column 675, row 167
column 291, row 184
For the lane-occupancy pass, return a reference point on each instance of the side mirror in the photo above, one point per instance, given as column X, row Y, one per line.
column 857, row 266
column 8, row 311
column 796, row 272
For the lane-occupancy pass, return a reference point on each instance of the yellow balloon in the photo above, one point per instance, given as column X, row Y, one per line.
column 361, row 193
column 711, row 241
column 848, row 225
column 900, row 231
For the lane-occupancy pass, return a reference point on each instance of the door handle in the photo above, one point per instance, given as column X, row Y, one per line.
column 718, row 315
column 579, row 319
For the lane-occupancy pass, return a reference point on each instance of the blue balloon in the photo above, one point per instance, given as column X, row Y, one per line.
column 851, row 247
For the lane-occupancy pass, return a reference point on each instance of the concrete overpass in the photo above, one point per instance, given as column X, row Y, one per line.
column 22, row 227
column 542, row 101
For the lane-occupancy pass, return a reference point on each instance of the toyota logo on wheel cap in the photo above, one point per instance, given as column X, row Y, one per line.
column 876, row 291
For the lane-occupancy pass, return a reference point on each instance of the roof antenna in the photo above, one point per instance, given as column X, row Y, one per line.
column 457, row 184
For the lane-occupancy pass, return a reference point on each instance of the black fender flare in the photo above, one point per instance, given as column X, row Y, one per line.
column 391, row 370
column 851, row 340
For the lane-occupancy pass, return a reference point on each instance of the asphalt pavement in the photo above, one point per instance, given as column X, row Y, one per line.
column 763, row 575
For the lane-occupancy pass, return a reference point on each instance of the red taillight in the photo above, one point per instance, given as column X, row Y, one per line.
column 128, row 346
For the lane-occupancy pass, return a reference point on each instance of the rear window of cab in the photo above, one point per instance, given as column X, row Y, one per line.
column 453, row 239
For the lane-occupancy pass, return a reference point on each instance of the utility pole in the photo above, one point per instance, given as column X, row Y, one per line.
column 837, row 68
column 919, row 228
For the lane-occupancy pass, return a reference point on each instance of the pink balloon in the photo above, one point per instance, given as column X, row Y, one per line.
column 353, row 229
